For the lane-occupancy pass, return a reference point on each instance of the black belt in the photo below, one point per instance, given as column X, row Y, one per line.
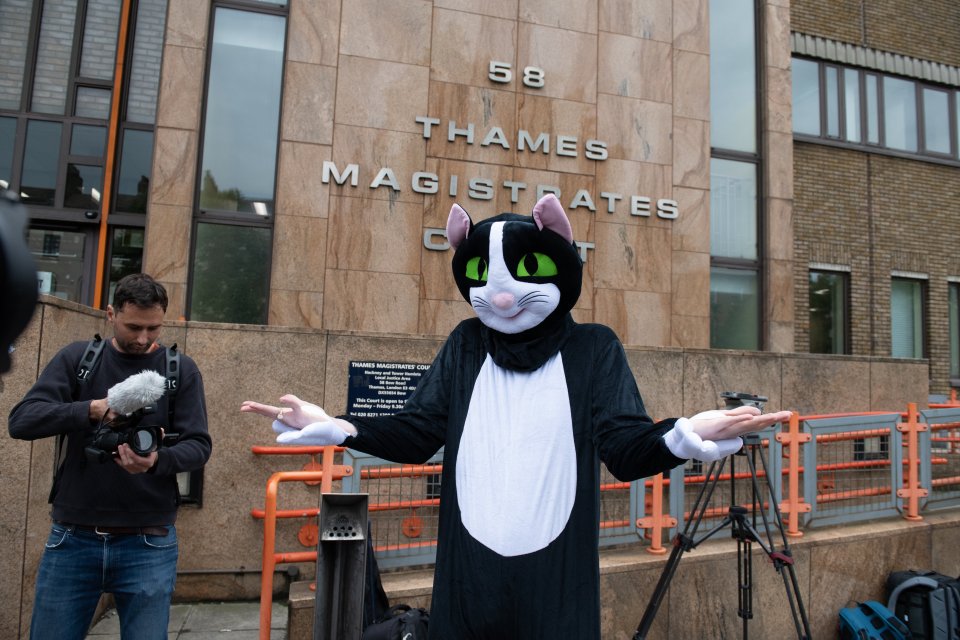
column 118, row 531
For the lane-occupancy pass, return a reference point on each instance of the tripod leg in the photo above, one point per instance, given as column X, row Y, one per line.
column 659, row 591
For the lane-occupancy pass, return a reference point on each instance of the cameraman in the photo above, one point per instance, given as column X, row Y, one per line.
column 113, row 522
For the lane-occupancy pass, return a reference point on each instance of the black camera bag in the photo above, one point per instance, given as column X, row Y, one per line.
column 928, row 602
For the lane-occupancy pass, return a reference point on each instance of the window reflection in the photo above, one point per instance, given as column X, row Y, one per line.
column 59, row 259
column 936, row 121
column 92, row 103
column 906, row 318
column 733, row 78
column 806, row 97
column 900, row 114
column 230, row 274
column 53, row 56
column 38, row 183
column 14, row 29
column 83, row 187
column 828, row 302
column 126, row 255
column 134, row 181
column 733, row 209
column 873, row 110
column 734, row 309
column 86, row 140
column 832, row 93
column 851, row 99
column 243, row 110
column 8, row 131
column 954, row 323
column 145, row 63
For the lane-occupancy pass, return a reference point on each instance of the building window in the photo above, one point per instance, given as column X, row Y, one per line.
column 954, row 324
column 734, row 276
column 906, row 318
column 882, row 111
column 57, row 76
column 235, row 202
column 735, row 300
column 829, row 300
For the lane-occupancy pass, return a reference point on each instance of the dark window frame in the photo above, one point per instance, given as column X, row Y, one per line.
column 847, row 307
column 923, row 153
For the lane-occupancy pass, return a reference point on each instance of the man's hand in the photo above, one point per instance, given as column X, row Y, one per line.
column 131, row 462
column 98, row 409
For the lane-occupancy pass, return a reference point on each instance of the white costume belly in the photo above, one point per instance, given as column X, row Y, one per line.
column 517, row 468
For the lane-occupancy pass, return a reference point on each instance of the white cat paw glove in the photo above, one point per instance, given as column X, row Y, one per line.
column 314, row 434
column 683, row 442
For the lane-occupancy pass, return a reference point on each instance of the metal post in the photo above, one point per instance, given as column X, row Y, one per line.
column 341, row 566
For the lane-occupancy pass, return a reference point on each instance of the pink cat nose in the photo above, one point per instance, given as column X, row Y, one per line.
column 503, row 300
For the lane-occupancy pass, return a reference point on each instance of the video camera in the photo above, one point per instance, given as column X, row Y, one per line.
column 125, row 429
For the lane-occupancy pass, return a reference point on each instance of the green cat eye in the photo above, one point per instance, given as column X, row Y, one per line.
column 536, row 265
column 477, row 269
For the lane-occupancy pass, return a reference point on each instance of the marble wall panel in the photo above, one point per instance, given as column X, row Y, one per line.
column 235, row 479
column 455, row 177
column 174, row 167
column 636, row 129
column 776, row 32
column 709, row 373
column 396, row 31
column 494, row 8
column 370, row 301
column 780, row 336
column 691, row 284
column 577, row 193
column 691, row 153
column 582, row 316
column 374, row 235
column 300, row 188
column 436, row 276
column 483, row 123
column 634, row 67
column 640, row 318
column 894, row 383
column 652, row 20
column 624, row 179
column 295, row 309
column 577, row 16
column 659, row 375
column 690, row 332
column 691, row 25
column 779, row 159
column 779, row 229
column 633, row 258
column 568, row 60
column 313, row 32
column 300, row 253
column 779, row 287
column 691, row 85
column 440, row 317
column 561, row 121
column 181, row 87
column 464, row 44
column 187, row 23
column 826, row 384
column 779, row 97
column 400, row 90
column 691, row 229
column 309, row 92
column 374, row 150
column 168, row 253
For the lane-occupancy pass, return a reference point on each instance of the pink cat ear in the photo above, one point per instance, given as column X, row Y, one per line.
column 458, row 226
column 549, row 214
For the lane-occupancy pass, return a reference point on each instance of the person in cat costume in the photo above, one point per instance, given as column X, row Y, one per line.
column 528, row 404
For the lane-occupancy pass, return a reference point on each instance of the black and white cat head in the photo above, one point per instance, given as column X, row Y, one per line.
column 516, row 271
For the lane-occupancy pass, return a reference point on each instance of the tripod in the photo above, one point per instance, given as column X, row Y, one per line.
column 745, row 533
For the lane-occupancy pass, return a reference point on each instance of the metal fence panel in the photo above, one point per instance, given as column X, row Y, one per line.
column 853, row 466
column 940, row 457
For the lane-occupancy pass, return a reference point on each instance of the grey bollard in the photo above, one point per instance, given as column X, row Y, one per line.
column 341, row 566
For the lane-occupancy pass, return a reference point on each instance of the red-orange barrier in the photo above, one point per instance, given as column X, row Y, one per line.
column 912, row 491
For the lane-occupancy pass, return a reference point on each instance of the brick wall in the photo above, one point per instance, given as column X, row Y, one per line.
column 920, row 29
column 909, row 213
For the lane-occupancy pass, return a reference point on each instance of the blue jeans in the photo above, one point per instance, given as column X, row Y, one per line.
column 78, row 566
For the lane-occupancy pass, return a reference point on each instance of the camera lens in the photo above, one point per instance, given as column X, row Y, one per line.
column 143, row 441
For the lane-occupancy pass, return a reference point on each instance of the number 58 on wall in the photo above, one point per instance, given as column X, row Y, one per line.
column 502, row 72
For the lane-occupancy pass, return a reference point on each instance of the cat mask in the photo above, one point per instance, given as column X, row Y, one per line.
column 516, row 271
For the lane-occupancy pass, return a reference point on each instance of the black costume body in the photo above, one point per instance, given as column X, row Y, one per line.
column 93, row 493
column 553, row 590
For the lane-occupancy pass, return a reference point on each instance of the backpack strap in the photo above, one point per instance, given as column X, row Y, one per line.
column 91, row 356
column 916, row 581
column 172, row 382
